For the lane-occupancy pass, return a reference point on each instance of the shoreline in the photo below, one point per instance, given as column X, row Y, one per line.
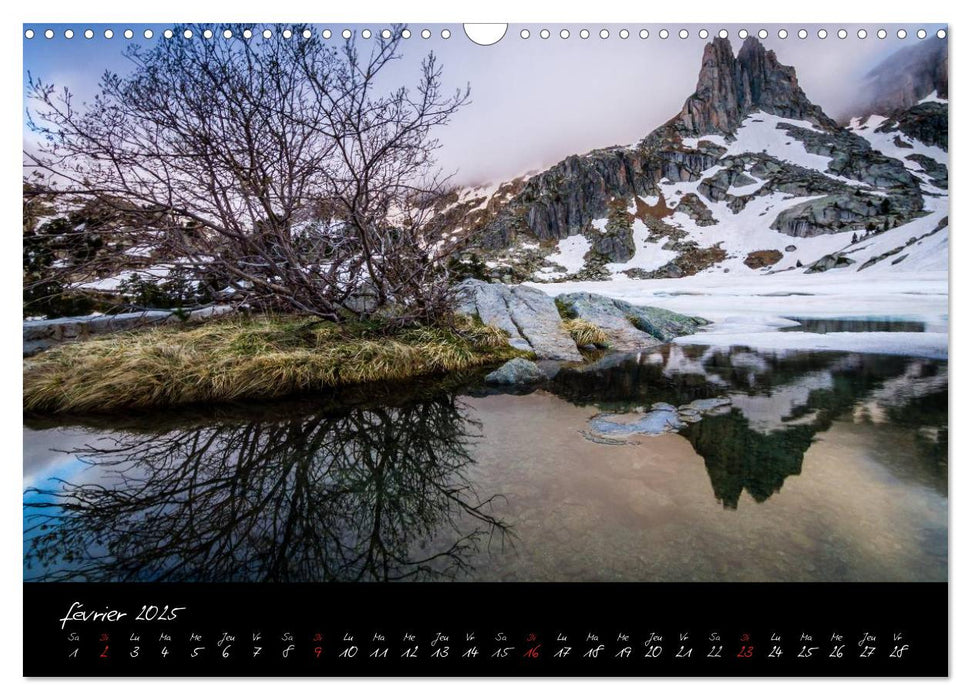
column 237, row 359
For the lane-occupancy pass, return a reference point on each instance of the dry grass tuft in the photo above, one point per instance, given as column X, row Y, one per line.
column 586, row 333
column 227, row 360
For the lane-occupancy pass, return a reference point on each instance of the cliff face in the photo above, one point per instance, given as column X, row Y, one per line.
column 563, row 200
column 748, row 164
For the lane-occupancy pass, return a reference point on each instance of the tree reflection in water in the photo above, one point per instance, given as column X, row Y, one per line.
column 377, row 493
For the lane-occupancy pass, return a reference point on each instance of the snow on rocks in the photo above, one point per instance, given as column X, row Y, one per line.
column 894, row 144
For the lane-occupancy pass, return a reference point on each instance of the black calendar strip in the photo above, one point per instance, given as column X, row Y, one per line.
column 464, row 629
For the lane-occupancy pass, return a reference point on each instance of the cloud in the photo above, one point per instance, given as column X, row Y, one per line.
column 536, row 101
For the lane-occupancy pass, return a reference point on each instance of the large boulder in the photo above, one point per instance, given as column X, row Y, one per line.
column 529, row 316
column 628, row 326
column 517, row 372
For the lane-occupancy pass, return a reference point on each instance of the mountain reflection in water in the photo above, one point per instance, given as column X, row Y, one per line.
column 434, row 483
column 779, row 403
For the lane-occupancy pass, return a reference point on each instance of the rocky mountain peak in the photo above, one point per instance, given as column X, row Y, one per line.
column 731, row 87
column 714, row 191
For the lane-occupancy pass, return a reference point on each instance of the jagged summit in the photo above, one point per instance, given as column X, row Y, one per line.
column 732, row 87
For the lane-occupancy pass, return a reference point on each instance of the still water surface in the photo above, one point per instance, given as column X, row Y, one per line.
column 824, row 467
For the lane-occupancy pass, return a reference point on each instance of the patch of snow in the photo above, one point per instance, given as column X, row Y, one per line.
column 113, row 283
column 692, row 142
column 923, row 255
column 647, row 255
column 760, row 133
column 155, row 273
column 749, row 229
column 569, row 253
column 140, row 251
column 742, row 190
column 933, row 98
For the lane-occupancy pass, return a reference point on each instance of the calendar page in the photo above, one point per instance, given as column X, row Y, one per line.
column 485, row 350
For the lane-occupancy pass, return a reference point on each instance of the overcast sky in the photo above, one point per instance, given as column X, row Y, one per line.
column 536, row 101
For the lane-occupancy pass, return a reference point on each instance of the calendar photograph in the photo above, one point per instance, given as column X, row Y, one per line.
column 410, row 310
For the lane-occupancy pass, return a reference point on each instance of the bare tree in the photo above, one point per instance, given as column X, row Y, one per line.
column 285, row 168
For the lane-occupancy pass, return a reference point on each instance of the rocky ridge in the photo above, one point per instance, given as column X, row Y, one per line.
column 749, row 164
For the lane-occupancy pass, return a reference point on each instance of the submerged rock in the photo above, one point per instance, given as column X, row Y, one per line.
column 654, row 422
column 706, row 405
column 527, row 314
column 517, row 371
column 609, row 428
column 689, row 416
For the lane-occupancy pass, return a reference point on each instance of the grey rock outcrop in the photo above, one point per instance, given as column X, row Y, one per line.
column 829, row 262
column 936, row 171
column 528, row 315
column 534, row 324
column 616, row 241
column 925, row 122
column 517, row 372
column 628, row 326
column 828, row 214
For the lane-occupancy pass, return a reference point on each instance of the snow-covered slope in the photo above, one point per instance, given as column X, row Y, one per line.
column 734, row 185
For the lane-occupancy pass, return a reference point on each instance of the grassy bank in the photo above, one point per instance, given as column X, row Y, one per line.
column 260, row 358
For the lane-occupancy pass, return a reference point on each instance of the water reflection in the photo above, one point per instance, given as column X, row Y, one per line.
column 780, row 402
column 370, row 493
column 854, row 325
column 403, row 486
